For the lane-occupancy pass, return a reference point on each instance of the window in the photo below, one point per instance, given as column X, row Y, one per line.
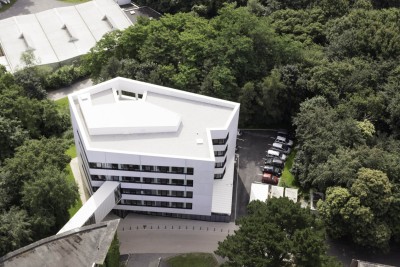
column 149, row 203
column 177, row 193
column 189, row 171
column 178, row 205
column 221, row 141
column 219, row 175
column 148, row 180
column 189, row 206
column 164, row 204
column 95, row 188
column 189, row 194
column 177, row 169
column 189, row 182
column 164, row 169
column 221, row 153
column 177, row 182
column 130, row 179
column 147, row 168
column 130, row 167
column 95, row 165
column 220, row 164
column 163, row 192
column 98, row 177
column 163, row 181
column 114, row 178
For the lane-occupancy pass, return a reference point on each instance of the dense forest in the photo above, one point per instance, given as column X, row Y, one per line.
column 34, row 192
column 329, row 70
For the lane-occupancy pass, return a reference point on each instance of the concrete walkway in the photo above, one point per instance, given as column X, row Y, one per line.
column 152, row 234
column 65, row 91
column 78, row 179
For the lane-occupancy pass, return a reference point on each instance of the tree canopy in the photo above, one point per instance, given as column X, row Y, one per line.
column 362, row 211
column 276, row 233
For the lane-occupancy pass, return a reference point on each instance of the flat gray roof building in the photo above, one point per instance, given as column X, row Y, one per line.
column 85, row 246
column 58, row 34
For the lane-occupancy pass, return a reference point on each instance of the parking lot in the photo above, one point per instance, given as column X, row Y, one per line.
column 251, row 150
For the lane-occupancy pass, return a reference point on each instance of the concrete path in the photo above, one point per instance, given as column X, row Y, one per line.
column 65, row 91
column 140, row 234
column 23, row 7
column 78, row 179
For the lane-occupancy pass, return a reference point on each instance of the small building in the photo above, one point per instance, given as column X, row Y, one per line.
column 262, row 192
column 173, row 152
column 259, row 192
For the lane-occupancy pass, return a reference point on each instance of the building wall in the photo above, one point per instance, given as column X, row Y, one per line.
column 202, row 177
column 205, row 171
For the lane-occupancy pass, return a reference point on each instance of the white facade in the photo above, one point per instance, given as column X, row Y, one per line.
column 96, row 208
column 172, row 151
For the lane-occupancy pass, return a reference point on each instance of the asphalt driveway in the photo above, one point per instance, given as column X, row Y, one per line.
column 24, row 7
column 252, row 146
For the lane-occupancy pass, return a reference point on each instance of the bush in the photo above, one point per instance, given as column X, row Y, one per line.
column 65, row 76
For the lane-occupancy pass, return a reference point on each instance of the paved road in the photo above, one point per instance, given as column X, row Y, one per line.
column 65, row 91
column 23, row 7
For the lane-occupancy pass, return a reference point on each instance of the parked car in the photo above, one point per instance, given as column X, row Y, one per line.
column 276, row 154
column 281, row 148
column 272, row 169
column 268, row 178
column 274, row 162
column 283, row 140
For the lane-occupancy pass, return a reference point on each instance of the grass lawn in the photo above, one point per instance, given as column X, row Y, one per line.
column 62, row 104
column 7, row 6
column 193, row 260
column 287, row 178
column 71, row 151
column 78, row 203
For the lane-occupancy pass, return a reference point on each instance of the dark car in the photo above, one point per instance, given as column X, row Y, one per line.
column 272, row 169
column 268, row 178
column 274, row 162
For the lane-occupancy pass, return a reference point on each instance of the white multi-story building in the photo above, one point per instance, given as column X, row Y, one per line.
column 172, row 151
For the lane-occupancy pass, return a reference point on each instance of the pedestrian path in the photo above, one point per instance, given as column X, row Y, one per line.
column 65, row 91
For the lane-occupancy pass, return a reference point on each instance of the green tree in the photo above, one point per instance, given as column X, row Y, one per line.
column 47, row 198
column 370, row 33
column 249, row 98
column 15, row 230
column 340, row 169
column 29, row 159
column 12, row 135
column 361, row 212
column 320, row 131
column 271, row 234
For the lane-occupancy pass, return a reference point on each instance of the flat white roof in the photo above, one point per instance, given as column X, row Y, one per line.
column 59, row 34
column 291, row 193
column 176, row 121
column 277, row 191
column 259, row 192
column 89, row 208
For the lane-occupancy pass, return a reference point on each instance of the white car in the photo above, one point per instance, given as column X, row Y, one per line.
column 276, row 154
column 283, row 140
column 281, row 148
